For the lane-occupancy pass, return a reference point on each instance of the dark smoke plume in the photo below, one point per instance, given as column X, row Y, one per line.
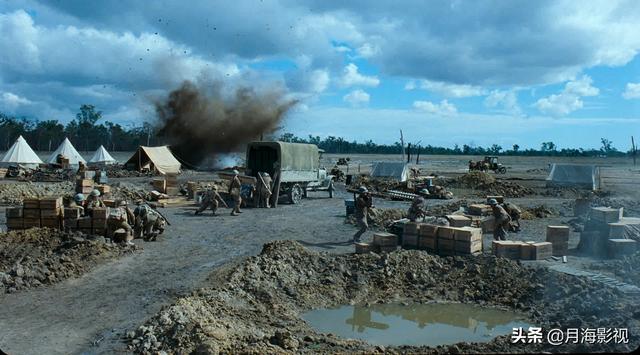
column 201, row 122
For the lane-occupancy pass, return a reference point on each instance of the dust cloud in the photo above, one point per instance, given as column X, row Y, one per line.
column 201, row 122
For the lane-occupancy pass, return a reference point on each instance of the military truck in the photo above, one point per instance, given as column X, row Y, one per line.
column 294, row 168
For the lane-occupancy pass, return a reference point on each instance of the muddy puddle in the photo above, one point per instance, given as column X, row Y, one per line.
column 416, row 324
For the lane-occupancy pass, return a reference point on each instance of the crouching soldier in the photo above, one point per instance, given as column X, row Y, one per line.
column 417, row 209
column 120, row 217
column 211, row 199
column 502, row 220
column 514, row 212
column 148, row 222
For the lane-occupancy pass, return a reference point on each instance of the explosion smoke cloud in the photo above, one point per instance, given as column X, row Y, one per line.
column 200, row 122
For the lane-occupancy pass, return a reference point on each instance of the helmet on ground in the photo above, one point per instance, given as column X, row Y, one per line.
column 78, row 197
column 95, row 193
column 493, row 202
column 362, row 189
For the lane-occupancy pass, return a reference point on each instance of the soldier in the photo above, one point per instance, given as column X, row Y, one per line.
column 363, row 203
column 121, row 218
column 148, row 222
column 264, row 189
column 81, row 168
column 416, row 211
column 94, row 201
column 78, row 202
column 502, row 220
column 514, row 212
column 210, row 199
column 234, row 191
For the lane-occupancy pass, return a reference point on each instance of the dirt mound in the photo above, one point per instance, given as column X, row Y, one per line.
column 475, row 179
column 42, row 256
column 626, row 269
column 540, row 211
column 118, row 171
column 130, row 192
column 379, row 184
column 443, row 210
column 381, row 218
column 488, row 185
column 255, row 306
column 15, row 193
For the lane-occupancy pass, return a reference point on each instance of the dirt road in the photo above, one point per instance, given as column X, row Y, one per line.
column 100, row 306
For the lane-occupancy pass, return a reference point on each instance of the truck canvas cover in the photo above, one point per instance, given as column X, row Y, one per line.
column 298, row 162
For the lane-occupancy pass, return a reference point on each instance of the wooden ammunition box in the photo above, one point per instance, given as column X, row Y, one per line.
column 50, row 203
column 618, row 248
column 427, row 243
column 363, row 248
column 479, row 209
column 385, row 239
column 15, row 222
column 557, row 233
column 31, row 222
column 99, row 223
column 50, row 222
column 31, row 213
column 104, row 189
column 71, row 223
column 31, row 203
column 410, row 241
column 507, row 248
column 468, row 234
column 49, row 213
column 14, row 212
column 84, row 183
column 446, row 233
column 411, row 228
column 387, row 248
column 458, row 221
column 488, row 224
column 468, row 247
column 606, row 214
column 100, row 213
column 109, row 203
column 85, row 223
column 541, row 251
column 71, row 212
column 428, row 230
column 446, row 244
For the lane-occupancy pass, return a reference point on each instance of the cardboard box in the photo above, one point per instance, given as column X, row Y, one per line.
column 427, row 243
column 51, row 213
column 31, row 213
column 15, row 222
column 85, row 222
column 468, row 234
column 410, row 241
column 606, row 214
column 50, row 203
column 479, row 209
column 385, row 239
column 363, row 248
column 458, row 220
column 618, row 248
column 31, row 203
column 31, row 222
column 14, row 212
column 446, row 233
column 100, row 213
column 71, row 212
column 428, row 230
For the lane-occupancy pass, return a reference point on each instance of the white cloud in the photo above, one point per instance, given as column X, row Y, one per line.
column 444, row 108
column 12, row 101
column 356, row 97
column 632, row 91
column 569, row 99
column 351, row 77
column 506, row 100
column 451, row 90
column 410, row 85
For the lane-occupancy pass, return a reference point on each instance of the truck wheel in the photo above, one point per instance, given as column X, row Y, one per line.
column 295, row 194
column 502, row 170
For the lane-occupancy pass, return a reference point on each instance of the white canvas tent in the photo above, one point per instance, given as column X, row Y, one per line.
column 154, row 158
column 386, row 169
column 574, row 175
column 69, row 151
column 21, row 154
column 101, row 156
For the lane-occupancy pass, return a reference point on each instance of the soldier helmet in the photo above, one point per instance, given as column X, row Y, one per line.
column 235, row 172
column 362, row 189
column 424, row 191
column 122, row 203
column 95, row 193
column 78, row 197
column 493, row 202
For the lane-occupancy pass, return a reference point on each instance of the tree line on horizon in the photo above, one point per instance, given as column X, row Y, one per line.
column 86, row 134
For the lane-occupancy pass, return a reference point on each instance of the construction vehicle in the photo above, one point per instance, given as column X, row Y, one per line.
column 294, row 168
column 488, row 163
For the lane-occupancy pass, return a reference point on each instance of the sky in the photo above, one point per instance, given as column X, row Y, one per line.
column 445, row 72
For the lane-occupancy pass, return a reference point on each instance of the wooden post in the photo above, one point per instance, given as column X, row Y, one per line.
column 408, row 153
column 418, row 156
column 402, row 144
column 633, row 151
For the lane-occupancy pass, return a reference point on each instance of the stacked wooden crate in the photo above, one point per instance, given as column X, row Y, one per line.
column 468, row 241
column 507, row 249
column 518, row 250
column 192, row 187
column 85, row 225
column 84, row 186
column 479, row 209
column 558, row 236
column 385, row 242
column 71, row 216
column 458, row 220
column 99, row 220
column 618, row 248
column 105, row 190
column 428, row 238
column 15, row 218
column 51, row 212
column 31, row 212
column 159, row 185
column 446, row 241
column 410, row 235
column 171, row 184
